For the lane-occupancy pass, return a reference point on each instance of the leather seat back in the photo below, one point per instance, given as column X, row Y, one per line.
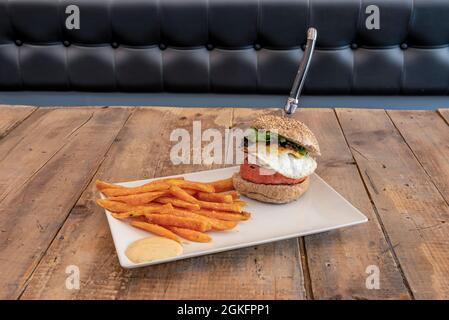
column 244, row 46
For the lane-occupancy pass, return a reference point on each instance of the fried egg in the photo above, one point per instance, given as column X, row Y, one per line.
column 285, row 163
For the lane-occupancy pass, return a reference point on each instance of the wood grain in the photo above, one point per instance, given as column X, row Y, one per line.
column 411, row 209
column 141, row 151
column 11, row 116
column 338, row 260
column 444, row 113
column 427, row 135
column 32, row 212
column 34, row 142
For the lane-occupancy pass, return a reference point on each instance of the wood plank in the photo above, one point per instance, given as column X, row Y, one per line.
column 444, row 113
column 427, row 135
column 34, row 142
column 270, row 271
column 11, row 116
column 337, row 260
column 411, row 209
column 34, row 210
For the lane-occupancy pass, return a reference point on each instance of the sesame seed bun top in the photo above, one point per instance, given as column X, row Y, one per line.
column 291, row 129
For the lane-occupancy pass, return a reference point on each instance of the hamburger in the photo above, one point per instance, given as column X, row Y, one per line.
column 280, row 173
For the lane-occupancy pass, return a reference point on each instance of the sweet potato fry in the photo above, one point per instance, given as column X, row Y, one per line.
column 181, row 222
column 139, row 199
column 247, row 215
column 181, row 194
column 191, row 192
column 234, row 194
column 156, row 208
column 191, row 235
column 222, row 185
column 216, row 224
column 227, row 216
column 155, row 229
column 114, row 206
column 141, row 211
column 129, row 214
column 116, row 192
column 163, row 180
column 215, row 197
column 101, row 185
column 241, row 203
column 220, row 206
column 178, row 203
column 221, row 225
column 198, row 186
column 119, row 207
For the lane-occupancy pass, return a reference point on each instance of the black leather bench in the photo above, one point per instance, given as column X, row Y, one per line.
column 211, row 46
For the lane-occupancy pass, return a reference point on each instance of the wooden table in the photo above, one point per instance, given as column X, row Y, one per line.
column 392, row 165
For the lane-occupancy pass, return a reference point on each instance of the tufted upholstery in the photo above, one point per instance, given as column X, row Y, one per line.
column 248, row 46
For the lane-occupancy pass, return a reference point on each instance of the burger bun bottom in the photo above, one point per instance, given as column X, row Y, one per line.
column 271, row 193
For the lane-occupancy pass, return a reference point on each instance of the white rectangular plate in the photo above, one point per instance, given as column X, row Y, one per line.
column 320, row 209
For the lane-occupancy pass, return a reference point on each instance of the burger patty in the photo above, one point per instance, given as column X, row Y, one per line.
column 252, row 173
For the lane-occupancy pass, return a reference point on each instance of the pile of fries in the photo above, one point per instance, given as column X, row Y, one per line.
column 176, row 207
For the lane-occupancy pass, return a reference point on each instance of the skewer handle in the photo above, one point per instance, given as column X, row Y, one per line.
column 292, row 101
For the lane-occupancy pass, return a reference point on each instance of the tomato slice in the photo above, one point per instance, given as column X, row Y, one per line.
column 256, row 174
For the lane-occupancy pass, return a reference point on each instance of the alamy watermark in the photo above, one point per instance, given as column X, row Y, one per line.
column 73, row 20
column 212, row 147
column 373, row 279
column 72, row 282
column 372, row 22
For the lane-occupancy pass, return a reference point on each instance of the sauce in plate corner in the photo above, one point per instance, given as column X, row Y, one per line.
column 152, row 248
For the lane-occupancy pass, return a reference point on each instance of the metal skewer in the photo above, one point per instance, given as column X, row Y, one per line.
column 292, row 101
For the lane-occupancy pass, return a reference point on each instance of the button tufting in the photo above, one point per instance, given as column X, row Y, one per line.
column 257, row 46
column 162, row 46
column 18, row 42
column 66, row 43
column 115, row 45
column 209, row 46
column 354, row 46
column 404, row 46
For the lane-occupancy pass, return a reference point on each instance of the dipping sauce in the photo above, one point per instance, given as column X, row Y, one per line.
column 152, row 248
